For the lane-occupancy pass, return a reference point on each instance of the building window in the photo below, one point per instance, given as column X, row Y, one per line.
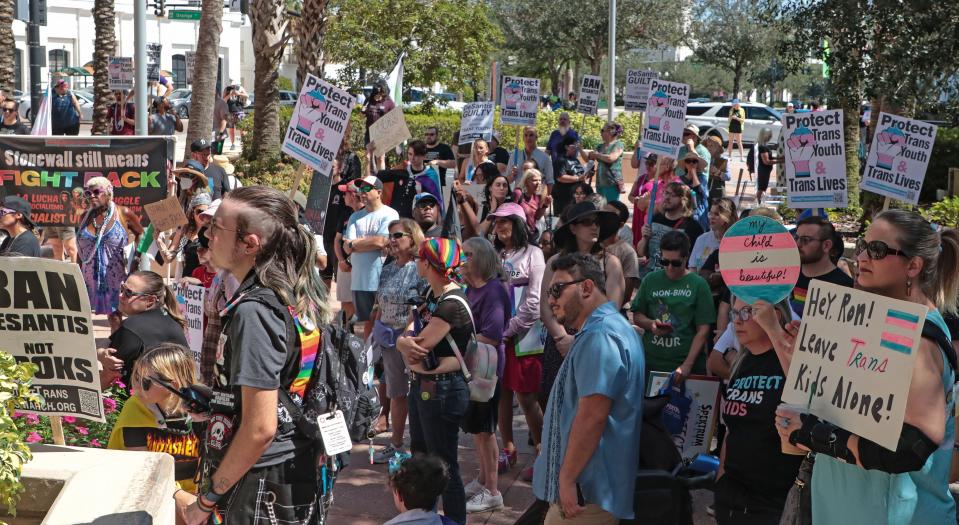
column 58, row 59
column 17, row 69
column 179, row 71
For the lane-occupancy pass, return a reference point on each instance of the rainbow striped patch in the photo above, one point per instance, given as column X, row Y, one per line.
column 898, row 342
column 309, row 345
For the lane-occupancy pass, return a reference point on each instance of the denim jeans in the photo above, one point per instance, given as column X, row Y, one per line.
column 435, row 427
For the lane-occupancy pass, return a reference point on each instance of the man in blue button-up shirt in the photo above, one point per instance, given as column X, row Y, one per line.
column 590, row 453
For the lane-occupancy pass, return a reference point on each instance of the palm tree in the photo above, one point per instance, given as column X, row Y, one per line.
column 270, row 34
column 310, row 30
column 105, row 47
column 7, row 42
column 204, row 72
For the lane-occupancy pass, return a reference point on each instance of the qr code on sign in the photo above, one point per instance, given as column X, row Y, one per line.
column 911, row 195
column 89, row 402
column 838, row 197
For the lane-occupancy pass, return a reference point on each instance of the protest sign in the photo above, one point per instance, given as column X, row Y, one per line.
column 190, row 299
column 589, row 90
column 190, row 64
column 120, row 70
column 702, row 393
column 476, row 122
column 317, row 202
column 318, row 124
column 853, row 358
column 899, row 157
column 759, row 260
column 389, row 131
column 665, row 117
column 46, row 321
column 815, row 159
column 520, row 101
column 153, row 60
column 637, row 88
column 166, row 214
column 49, row 172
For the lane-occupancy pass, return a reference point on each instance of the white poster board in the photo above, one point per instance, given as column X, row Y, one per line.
column 46, row 321
column 318, row 124
column 190, row 298
column 520, row 101
column 703, row 415
column 153, row 60
column 389, row 131
column 815, row 159
column 637, row 88
column 665, row 117
column 589, row 90
column 854, row 358
column 476, row 122
column 899, row 157
column 120, row 71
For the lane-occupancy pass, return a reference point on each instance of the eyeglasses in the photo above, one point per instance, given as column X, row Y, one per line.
column 93, row 193
column 675, row 263
column 399, row 235
column 877, row 250
column 803, row 240
column 557, row 289
column 744, row 314
column 214, row 226
column 4, row 212
column 587, row 221
column 128, row 293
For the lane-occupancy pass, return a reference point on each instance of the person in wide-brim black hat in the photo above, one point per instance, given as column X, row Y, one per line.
column 581, row 214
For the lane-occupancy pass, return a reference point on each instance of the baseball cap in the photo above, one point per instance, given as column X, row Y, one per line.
column 18, row 205
column 371, row 180
column 424, row 196
column 510, row 209
column 200, row 145
column 692, row 127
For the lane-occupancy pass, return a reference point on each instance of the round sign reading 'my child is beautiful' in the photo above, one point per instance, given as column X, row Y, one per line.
column 759, row 260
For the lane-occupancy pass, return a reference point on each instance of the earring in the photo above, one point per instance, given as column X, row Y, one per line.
column 908, row 287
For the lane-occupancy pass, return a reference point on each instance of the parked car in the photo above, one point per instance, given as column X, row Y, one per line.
column 180, row 102
column 713, row 119
column 287, row 98
column 85, row 100
column 414, row 96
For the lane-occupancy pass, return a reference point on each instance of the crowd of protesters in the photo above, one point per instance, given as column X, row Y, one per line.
column 579, row 286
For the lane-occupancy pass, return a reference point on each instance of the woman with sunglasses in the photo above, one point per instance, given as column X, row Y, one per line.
column 755, row 473
column 901, row 257
column 152, row 317
column 438, row 392
column 674, row 307
column 154, row 419
column 101, row 237
column 398, row 290
column 609, row 158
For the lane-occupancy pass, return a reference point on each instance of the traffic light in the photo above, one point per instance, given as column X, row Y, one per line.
column 159, row 8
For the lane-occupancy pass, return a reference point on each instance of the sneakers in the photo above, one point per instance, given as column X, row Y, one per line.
column 386, row 454
column 711, row 510
column 484, row 501
column 473, row 488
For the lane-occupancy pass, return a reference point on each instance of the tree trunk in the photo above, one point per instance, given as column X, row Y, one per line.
column 105, row 47
column 269, row 39
column 7, row 74
column 737, row 80
column 310, row 31
column 850, row 109
column 204, row 74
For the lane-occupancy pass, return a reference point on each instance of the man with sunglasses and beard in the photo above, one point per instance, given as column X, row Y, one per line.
column 11, row 123
column 674, row 307
column 815, row 239
column 587, row 470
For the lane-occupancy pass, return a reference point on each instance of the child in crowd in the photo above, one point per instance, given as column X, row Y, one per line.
column 416, row 486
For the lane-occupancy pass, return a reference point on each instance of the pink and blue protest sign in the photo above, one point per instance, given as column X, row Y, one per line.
column 758, row 260
column 899, row 156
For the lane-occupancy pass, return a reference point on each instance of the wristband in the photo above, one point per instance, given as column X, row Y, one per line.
column 212, row 497
column 823, row 437
column 204, row 508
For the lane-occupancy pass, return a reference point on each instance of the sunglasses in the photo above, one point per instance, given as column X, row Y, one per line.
column 556, row 290
column 366, row 188
column 198, row 211
column 691, row 161
column 147, row 382
column 877, row 250
column 93, row 193
column 128, row 293
column 588, row 222
column 744, row 314
column 426, row 204
column 9, row 110
column 675, row 263
column 399, row 235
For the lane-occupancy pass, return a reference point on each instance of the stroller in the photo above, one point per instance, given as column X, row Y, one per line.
column 663, row 481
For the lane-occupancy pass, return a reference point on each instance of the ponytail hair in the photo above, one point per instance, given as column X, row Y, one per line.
column 939, row 253
column 286, row 261
column 166, row 297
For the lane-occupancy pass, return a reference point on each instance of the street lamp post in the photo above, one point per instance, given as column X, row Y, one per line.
column 611, row 86
column 140, row 64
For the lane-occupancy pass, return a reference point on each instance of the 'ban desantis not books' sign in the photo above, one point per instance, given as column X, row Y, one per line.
column 853, row 358
column 45, row 321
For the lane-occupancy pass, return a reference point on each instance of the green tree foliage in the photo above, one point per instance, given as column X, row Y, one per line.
column 447, row 41
column 733, row 35
column 14, row 390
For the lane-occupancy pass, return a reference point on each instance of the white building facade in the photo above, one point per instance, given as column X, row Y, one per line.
column 70, row 34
